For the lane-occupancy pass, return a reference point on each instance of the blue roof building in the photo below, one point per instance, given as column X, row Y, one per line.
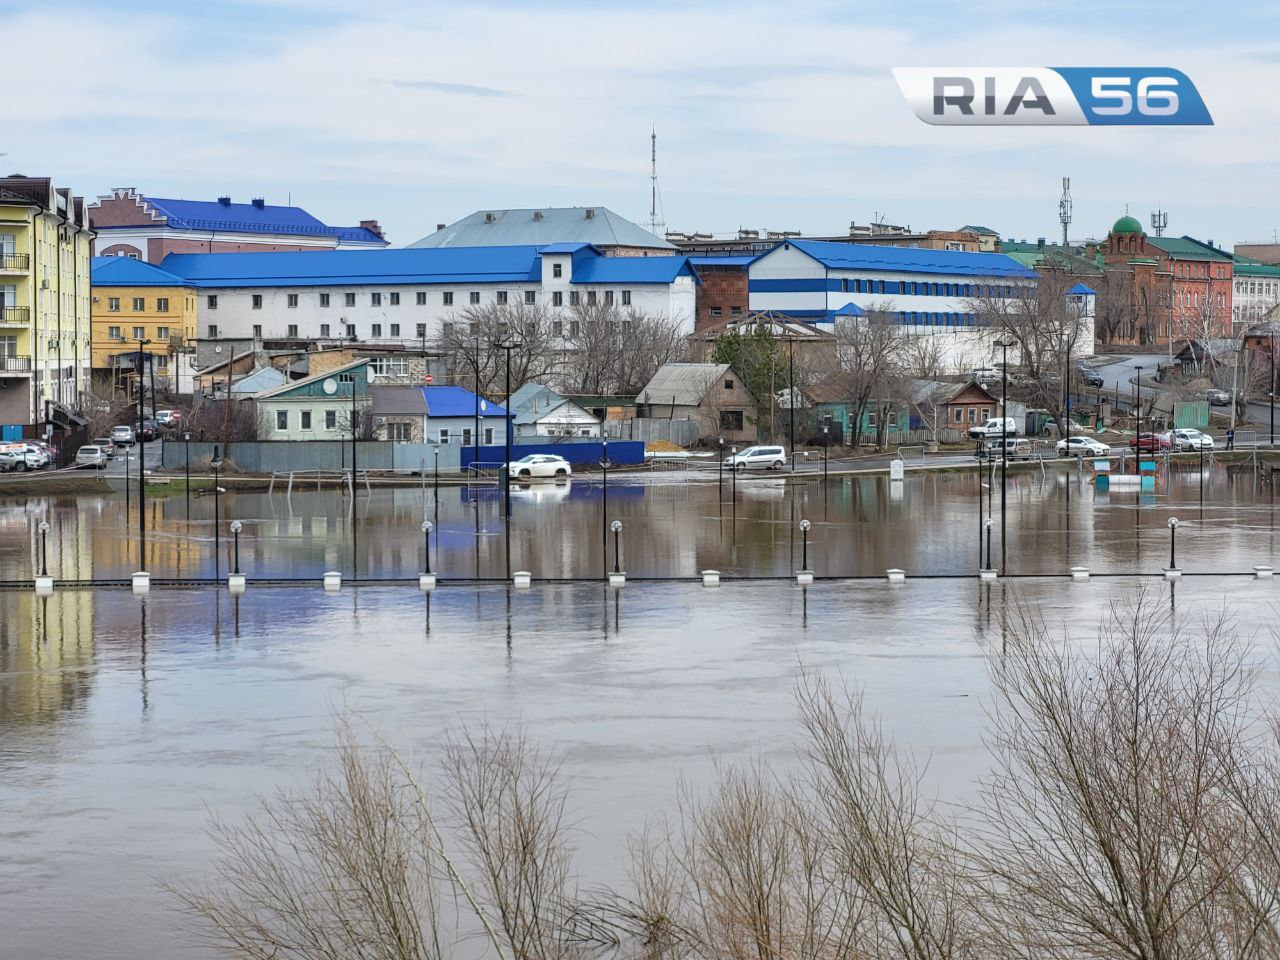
column 131, row 224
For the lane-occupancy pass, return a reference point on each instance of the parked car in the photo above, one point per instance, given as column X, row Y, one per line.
column 1089, row 377
column 148, row 429
column 764, row 458
column 19, row 457
column 169, row 418
column 1151, row 442
column 108, row 446
column 1081, row 447
column 539, row 465
column 997, row 427
column 42, row 453
column 1219, row 398
column 1188, row 438
column 123, row 435
column 1011, row 448
column 91, row 456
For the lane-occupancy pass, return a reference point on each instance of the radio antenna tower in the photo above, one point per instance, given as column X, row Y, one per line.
column 1064, row 208
column 1159, row 222
column 656, row 226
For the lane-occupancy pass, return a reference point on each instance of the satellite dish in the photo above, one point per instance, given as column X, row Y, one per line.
column 218, row 348
column 330, row 386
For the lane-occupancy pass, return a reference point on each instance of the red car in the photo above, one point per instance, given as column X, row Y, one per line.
column 1151, row 442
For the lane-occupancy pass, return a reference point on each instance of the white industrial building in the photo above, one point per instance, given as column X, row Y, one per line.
column 929, row 292
column 409, row 295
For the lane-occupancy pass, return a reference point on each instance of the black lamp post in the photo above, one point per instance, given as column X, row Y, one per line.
column 1137, row 404
column 215, row 462
column 1173, row 543
column 1004, row 346
column 804, row 541
column 1272, row 353
column 616, row 527
column 826, row 447
column 44, row 548
column 186, row 438
column 988, row 523
column 733, row 470
column 506, row 346
column 142, row 460
column 426, row 546
column 720, row 478
column 604, row 506
column 236, row 527
column 791, row 397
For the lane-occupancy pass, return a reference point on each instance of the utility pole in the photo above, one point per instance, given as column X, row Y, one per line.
column 142, row 461
column 1064, row 208
column 656, row 226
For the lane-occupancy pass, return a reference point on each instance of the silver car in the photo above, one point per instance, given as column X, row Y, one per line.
column 757, row 458
column 91, row 456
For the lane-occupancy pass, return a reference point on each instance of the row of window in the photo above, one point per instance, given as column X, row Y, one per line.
column 734, row 311
column 139, row 304
column 921, row 288
column 925, row 318
column 976, row 415
column 139, row 333
column 1257, row 288
column 1197, row 269
column 501, row 297
column 393, row 330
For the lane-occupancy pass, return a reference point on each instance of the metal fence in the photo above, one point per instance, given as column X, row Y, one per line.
column 682, row 433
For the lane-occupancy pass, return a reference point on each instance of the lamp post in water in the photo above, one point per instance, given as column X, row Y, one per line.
column 236, row 527
column 804, row 549
column 616, row 527
column 1173, row 543
column 426, row 546
column 604, row 505
column 215, row 462
column 44, row 548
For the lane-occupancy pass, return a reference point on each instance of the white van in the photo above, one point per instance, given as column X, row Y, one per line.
column 757, row 458
column 995, row 427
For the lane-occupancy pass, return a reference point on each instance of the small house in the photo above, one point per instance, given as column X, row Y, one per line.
column 711, row 394
column 333, row 405
column 436, row 414
column 538, row 411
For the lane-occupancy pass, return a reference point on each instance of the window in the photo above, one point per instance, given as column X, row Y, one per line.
column 139, row 333
column 113, row 304
column 395, row 299
column 422, row 331
column 488, row 436
column 959, row 414
column 162, row 361
column 448, row 298
column 730, row 419
column 213, row 331
column 291, row 300
column 557, row 269
column 422, row 298
column 331, row 419
column 304, row 418
column 502, row 298
column 573, row 328
column 395, row 330
column 375, row 299
column 376, row 330
column 474, row 297
column 608, row 297
column 347, row 377
column 113, row 333
column 573, row 298
column 139, row 304
column 400, row 431
column 389, row 366
column 349, row 299
column 211, row 301
column 728, row 384
column 715, row 311
column 442, row 436
column 557, row 299
column 557, row 328
column 293, row 330
column 626, row 298
column 351, row 330
column 591, row 298
column 282, row 419
column 466, row 436
column 973, row 414
column 162, row 304
column 257, row 331
column 735, row 311
column 446, row 330
column 871, row 418
column 530, row 297
column 257, row 301
column 324, row 299
column 324, row 330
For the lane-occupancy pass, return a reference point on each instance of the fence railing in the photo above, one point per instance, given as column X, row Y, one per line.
column 14, row 363
column 15, row 261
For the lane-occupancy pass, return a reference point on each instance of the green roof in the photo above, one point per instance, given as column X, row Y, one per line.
column 1185, row 248
column 1127, row 224
column 1246, row 267
column 1075, row 259
column 983, row 230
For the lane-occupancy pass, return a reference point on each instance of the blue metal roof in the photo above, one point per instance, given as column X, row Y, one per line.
column 849, row 310
column 569, row 247
column 722, row 261
column 857, row 256
column 457, row 402
column 1080, row 288
column 413, row 265
column 128, row 272
column 247, row 218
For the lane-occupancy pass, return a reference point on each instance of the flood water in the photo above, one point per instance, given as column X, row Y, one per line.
column 123, row 721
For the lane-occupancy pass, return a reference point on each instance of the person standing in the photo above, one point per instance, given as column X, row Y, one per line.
column 1231, row 438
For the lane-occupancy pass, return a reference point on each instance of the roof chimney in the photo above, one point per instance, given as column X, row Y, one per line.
column 1039, row 243
column 259, row 203
column 440, row 226
column 537, row 215
column 591, row 214
column 372, row 227
column 489, row 217
column 225, row 201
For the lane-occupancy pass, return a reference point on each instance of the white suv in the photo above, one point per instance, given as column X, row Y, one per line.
column 767, row 458
column 1189, row 438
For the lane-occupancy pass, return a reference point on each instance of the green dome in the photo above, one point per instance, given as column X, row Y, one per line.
column 1127, row 224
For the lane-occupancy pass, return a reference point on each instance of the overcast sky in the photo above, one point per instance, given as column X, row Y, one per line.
column 770, row 115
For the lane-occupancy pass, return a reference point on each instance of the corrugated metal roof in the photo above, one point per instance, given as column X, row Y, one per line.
column 1187, row 248
column 128, row 272
column 444, row 401
column 392, row 401
column 248, row 218
column 264, row 378
column 681, row 384
column 721, row 261
column 541, row 226
column 856, row 256
column 631, row 269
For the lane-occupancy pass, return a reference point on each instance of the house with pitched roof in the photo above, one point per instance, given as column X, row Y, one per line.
column 710, row 394
column 614, row 235
column 538, row 411
column 131, row 224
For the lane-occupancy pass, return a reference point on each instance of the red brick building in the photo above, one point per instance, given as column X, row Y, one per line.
column 150, row 228
column 722, row 295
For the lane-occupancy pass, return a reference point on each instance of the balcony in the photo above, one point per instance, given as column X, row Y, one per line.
column 15, row 316
column 13, row 363
column 15, row 262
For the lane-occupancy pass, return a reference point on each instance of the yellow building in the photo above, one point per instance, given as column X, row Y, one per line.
column 45, row 245
column 134, row 300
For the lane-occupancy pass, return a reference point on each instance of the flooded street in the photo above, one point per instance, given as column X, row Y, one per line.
column 125, row 721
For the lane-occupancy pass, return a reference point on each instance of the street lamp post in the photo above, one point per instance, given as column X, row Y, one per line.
column 1272, row 392
column 720, row 478
column 733, row 470
column 236, row 527
column 426, row 546
column 616, row 527
column 506, row 346
column 1004, row 346
column 142, row 460
column 989, row 523
column 215, row 462
column 804, row 544
column 826, row 448
column 791, row 397
column 1137, row 423
column 1173, row 543
column 604, row 505
column 186, row 438
column 44, row 548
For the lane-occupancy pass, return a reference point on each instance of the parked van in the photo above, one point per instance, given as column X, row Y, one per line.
column 994, row 428
column 1017, row 447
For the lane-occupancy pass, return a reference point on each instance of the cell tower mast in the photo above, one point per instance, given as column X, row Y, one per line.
column 1159, row 222
column 656, row 226
column 1064, row 208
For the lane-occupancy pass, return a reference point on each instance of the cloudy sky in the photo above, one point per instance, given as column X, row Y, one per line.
column 772, row 115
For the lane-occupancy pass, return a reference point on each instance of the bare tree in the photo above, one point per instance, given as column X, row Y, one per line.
column 869, row 351
column 610, row 350
column 471, row 336
column 1118, row 310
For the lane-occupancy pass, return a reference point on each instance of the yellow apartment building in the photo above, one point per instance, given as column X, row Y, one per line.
column 45, row 248
column 134, row 300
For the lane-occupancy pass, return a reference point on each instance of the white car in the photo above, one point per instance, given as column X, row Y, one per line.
column 539, row 465
column 122, row 436
column 1082, row 447
column 91, row 456
column 765, row 458
column 1189, row 438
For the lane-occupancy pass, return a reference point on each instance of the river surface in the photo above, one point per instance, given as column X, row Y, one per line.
column 125, row 721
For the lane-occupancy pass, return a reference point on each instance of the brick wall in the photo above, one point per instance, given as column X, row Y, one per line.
column 122, row 211
column 722, row 289
column 160, row 247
